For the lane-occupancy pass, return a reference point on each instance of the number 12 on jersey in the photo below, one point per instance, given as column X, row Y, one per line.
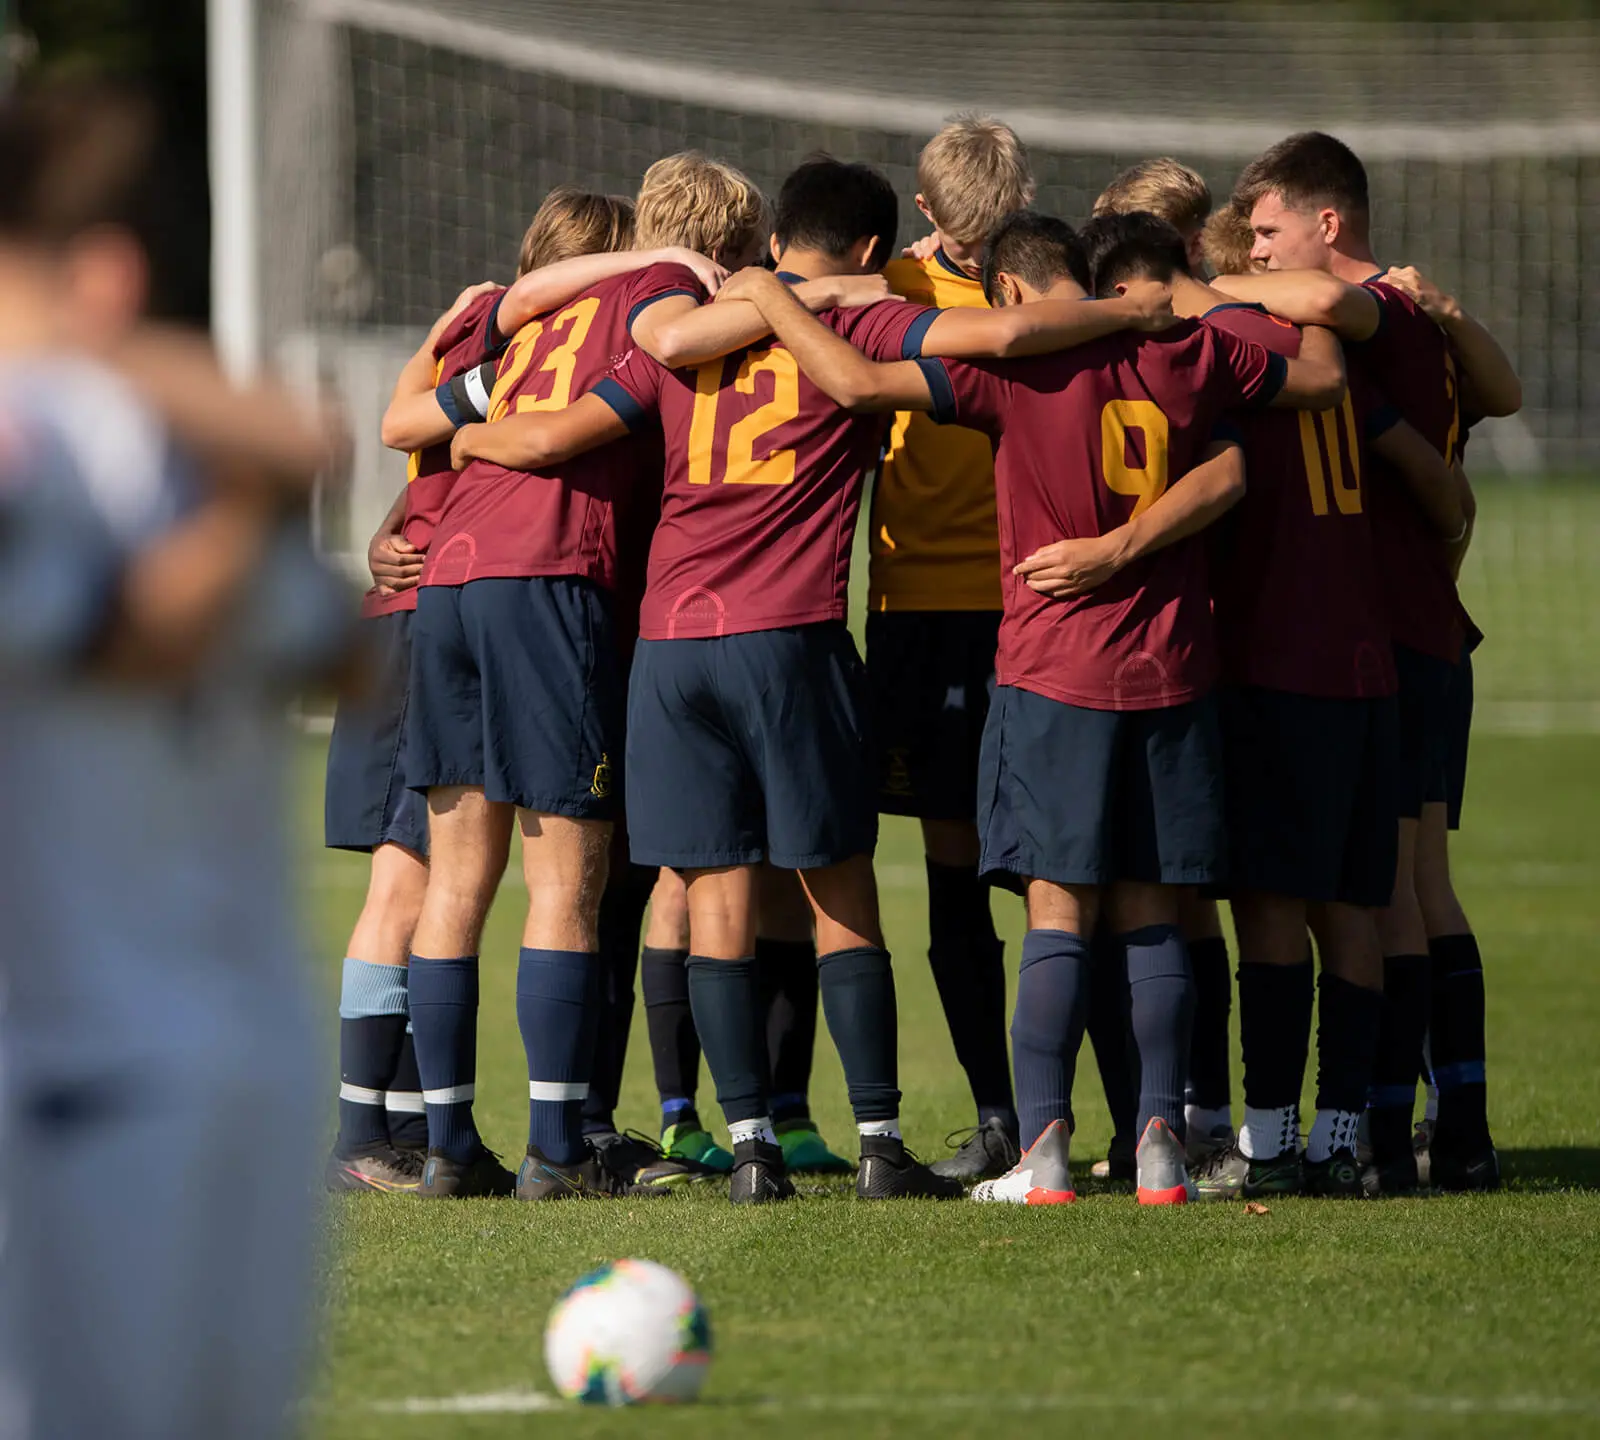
column 741, row 467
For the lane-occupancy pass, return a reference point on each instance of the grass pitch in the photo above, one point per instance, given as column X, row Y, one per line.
column 1416, row 1318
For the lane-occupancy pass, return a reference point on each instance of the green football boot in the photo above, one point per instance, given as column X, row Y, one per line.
column 1230, row 1174
column 690, row 1145
column 805, row 1152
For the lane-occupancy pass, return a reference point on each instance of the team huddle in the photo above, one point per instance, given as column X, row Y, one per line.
column 1162, row 613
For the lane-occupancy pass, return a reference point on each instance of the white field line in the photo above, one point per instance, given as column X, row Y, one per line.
column 522, row 1402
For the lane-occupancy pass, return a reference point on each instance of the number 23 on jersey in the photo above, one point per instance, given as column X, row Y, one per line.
column 572, row 328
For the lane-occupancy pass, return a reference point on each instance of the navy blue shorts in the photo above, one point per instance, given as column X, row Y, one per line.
column 1310, row 787
column 930, row 672
column 1090, row 797
column 515, row 689
column 1458, row 721
column 366, row 803
column 1426, row 683
column 750, row 747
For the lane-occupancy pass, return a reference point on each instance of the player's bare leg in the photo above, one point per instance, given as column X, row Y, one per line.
column 968, row 964
column 1403, row 936
column 1208, row 1099
column 469, row 838
column 786, row 967
column 380, row 1097
column 1461, row 1151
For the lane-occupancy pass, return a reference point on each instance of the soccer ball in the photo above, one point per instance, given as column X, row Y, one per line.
column 630, row 1333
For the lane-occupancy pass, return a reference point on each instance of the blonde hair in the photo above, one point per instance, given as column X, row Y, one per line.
column 1228, row 240
column 576, row 222
column 691, row 200
column 972, row 174
column 1164, row 187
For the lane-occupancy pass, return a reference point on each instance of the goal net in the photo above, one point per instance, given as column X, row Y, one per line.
column 405, row 146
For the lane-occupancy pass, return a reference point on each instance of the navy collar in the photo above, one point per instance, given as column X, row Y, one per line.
column 951, row 265
column 790, row 278
column 1234, row 305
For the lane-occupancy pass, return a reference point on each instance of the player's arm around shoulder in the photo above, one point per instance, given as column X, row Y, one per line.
column 1309, row 297
column 1490, row 384
column 537, row 440
column 1042, row 326
column 1433, row 484
column 417, row 416
column 1315, row 379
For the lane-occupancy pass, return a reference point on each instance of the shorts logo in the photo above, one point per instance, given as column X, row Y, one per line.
column 600, row 787
column 898, row 780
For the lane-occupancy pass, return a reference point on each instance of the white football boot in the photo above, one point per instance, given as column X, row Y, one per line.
column 1163, row 1173
column 1040, row 1177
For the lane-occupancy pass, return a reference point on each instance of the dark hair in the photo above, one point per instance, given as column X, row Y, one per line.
column 828, row 205
column 1307, row 169
column 1134, row 246
column 1034, row 247
column 79, row 155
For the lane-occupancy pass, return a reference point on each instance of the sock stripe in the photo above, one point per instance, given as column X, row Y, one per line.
column 404, row 1102
column 1381, row 1096
column 451, row 1094
column 359, row 1094
column 1463, row 1072
column 558, row 1090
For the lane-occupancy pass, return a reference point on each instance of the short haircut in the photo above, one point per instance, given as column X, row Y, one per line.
column 1308, row 170
column 1227, row 241
column 81, row 155
column 972, row 174
column 1163, row 187
column 828, row 205
column 1038, row 249
column 690, row 200
column 576, row 222
column 1137, row 246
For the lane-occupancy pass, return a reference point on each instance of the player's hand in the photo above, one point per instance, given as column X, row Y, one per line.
column 1433, row 302
column 1072, row 567
column 923, row 249
column 1152, row 302
column 461, row 446
column 710, row 274
column 395, row 563
column 460, row 303
column 748, row 284
column 851, row 292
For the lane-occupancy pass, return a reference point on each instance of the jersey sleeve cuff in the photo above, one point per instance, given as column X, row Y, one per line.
column 629, row 411
column 1277, row 373
column 446, row 396
column 1227, row 432
column 650, row 300
column 939, row 386
column 911, row 342
column 1381, row 421
column 493, row 341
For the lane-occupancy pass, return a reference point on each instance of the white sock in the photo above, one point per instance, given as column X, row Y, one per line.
column 1200, row 1121
column 880, row 1127
column 1332, row 1130
column 741, row 1130
column 1267, row 1133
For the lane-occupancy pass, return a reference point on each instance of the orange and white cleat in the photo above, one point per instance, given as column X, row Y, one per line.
column 1040, row 1177
column 1163, row 1177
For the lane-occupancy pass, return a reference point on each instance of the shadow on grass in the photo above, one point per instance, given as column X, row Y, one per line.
column 1574, row 1167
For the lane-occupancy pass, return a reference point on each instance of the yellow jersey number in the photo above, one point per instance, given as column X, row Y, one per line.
column 1347, row 497
column 1145, row 482
column 776, row 467
column 572, row 324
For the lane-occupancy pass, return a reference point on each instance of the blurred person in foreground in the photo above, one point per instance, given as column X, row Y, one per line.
column 156, row 605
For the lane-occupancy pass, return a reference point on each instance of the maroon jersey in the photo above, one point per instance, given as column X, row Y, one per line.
column 1297, row 599
column 1409, row 360
column 466, row 341
column 762, row 483
column 562, row 520
column 1086, row 439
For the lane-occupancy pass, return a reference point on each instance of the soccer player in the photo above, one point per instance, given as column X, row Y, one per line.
column 152, row 613
column 1309, row 209
column 1166, row 188
column 744, row 643
column 1310, row 739
column 933, row 612
column 1227, row 240
column 1100, row 756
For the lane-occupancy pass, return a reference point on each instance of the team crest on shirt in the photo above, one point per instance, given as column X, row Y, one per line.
column 600, row 786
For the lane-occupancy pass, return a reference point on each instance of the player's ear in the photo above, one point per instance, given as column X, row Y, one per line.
column 774, row 247
column 1329, row 226
column 870, row 255
column 1010, row 289
column 927, row 214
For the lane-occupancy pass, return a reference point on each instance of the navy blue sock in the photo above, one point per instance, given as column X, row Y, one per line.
column 408, row 1116
column 858, row 1000
column 1111, row 1036
column 444, row 1023
column 727, row 1016
column 558, row 995
column 1162, row 1008
column 786, row 970
column 968, row 964
column 1402, row 1028
column 1047, row 1027
column 669, row 1018
column 1275, row 1004
column 1213, row 999
column 372, row 1029
column 622, row 909
column 1456, row 1040
column 1348, row 1017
